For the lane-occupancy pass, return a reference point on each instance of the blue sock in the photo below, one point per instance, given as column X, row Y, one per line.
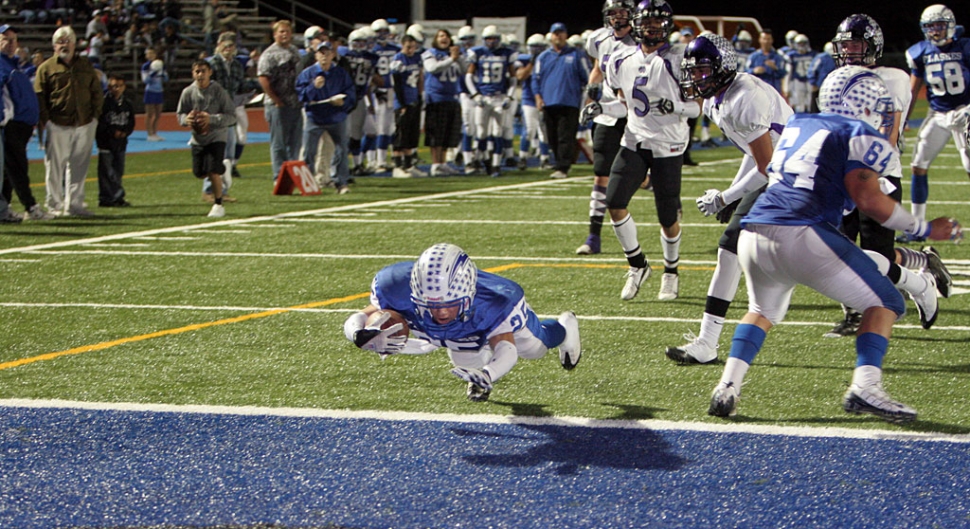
column 870, row 348
column 920, row 189
column 551, row 333
column 747, row 341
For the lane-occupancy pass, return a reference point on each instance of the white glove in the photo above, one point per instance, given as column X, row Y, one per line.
column 479, row 100
column 711, row 202
column 663, row 106
column 507, row 102
column 589, row 112
column 381, row 341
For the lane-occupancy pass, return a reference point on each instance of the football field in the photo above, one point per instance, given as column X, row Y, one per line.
column 161, row 369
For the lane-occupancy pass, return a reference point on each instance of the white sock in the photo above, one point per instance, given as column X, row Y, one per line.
column 734, row 371
column 864, row 376
column 711, row 327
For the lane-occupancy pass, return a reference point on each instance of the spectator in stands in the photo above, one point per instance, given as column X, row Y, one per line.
column 277, row 70
column 70, row 97
column 17, row 132
column 154, row 76
column 171, row 43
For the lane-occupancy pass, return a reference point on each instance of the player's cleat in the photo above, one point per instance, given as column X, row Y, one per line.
column 906, row 238
column 926, row 302
column 496, row 173
column 590, row 247
column 544, row 165
column 415, row 172
column 217, row 211
column 343, row 190
column 570, row 350
column 849, row 325
column 474, row 376
column 724, row 400
column 934, row 264
column 37, row 213
column 873, row 399
column 634, row 278
column 558, row 175
column 511, row 163
column 523, row 164
column 400, row 172
column 477, row 394
column 695, row 351
column 669, row 287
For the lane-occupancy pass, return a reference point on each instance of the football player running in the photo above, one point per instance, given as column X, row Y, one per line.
column 752, row 115
column 605, row 110
column 646, row 78
column 481, row 318
column 942, row 63
column 822, row 162
column 491, row 86
column 859, row 42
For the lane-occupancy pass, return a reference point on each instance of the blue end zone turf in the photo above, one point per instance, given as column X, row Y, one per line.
column 85, row 468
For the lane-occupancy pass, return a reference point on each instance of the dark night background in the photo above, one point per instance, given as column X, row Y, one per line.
column 818, row 19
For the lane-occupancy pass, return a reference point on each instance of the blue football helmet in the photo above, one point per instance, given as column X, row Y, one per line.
column 443, row 277
column 861, row 28
column 710, row 63
column 652, row 9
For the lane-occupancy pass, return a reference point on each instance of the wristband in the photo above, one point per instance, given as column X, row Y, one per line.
column 354, row 323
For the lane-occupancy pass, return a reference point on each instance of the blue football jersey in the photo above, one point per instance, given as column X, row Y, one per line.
column 528, row 96
column 406, row 72
column 800, row 63
column 495, row 299
column 806, row 176
column 362, row 67
column 491, row 69
column 385, row 54
column 441, row 86
column 946, row 72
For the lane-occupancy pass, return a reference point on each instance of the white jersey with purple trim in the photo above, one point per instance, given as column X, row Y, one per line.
column 747, row 109
column 644, row 78
column 897, row 82
column 601, row 45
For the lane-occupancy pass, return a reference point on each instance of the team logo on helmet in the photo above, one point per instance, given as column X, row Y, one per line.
column 858, row 93
column 710, row 64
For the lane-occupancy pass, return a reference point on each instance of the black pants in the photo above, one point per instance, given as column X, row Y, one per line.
column 561, row 124
column 16, row 135
column 111, row 167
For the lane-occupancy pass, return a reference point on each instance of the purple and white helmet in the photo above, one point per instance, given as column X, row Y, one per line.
column 710, row 63
column 862, row 28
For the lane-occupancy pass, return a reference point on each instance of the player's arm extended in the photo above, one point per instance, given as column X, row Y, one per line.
column 863, row 186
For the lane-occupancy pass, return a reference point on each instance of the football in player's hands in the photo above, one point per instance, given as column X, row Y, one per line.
column 385, row 319
column 385, row 332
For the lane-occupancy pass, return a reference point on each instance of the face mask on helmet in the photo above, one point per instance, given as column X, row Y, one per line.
column 938, row 24
column 617, row 14
column 709, row 65
column 858, row 93
column 858, row 41
column 443, row 282
column 652, row 22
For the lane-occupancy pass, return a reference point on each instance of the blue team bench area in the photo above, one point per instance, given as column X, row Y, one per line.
column 138, row 142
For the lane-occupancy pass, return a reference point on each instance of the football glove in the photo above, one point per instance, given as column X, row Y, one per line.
column 507, row 102
column 479, row 99
column 711, row 202
column 594, row 91
column 381, row 341
column 663, row 106
column 589, row 112
column 724, row 216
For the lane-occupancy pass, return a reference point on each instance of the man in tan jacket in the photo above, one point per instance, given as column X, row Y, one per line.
column 70, row 97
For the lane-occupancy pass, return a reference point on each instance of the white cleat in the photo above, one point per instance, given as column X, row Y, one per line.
column 696, row 351
column 634, row 278
column 217, row 211
column 926, row 301
column 570, row 350
column 400, row 172
column 669, row 287
column 724, row 401
column 873, row 399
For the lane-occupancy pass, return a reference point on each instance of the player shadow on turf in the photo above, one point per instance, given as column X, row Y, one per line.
column 571, row 449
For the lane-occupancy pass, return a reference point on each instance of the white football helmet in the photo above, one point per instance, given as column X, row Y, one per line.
column 492, row 37
column 790, row 37
column 416, row 31
column 801, row 43
column 938, row 24
column 511, row 40
column 742, row 41
column 382, row 30
column 576, row 41
column 536, row 43
column 358, row 39
column 443, row 276
column 467, row 35
column 310, row 34
column 858, row 93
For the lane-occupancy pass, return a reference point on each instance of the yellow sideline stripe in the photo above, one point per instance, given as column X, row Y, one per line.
column 246, row 317
column 179, row 330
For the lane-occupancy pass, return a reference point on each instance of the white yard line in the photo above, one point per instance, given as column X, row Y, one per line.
column 573, row 422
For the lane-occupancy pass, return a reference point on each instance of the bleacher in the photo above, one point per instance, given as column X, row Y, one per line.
column 254, row 33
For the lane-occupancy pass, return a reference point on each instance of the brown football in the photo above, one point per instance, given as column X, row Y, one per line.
column 395, row 318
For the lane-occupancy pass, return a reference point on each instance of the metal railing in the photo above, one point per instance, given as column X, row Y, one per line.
column 331, row 23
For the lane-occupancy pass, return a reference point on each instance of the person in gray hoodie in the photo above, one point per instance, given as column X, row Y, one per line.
column 209, row 110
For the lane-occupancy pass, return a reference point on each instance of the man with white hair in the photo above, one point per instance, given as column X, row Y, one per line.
column 70, row 96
